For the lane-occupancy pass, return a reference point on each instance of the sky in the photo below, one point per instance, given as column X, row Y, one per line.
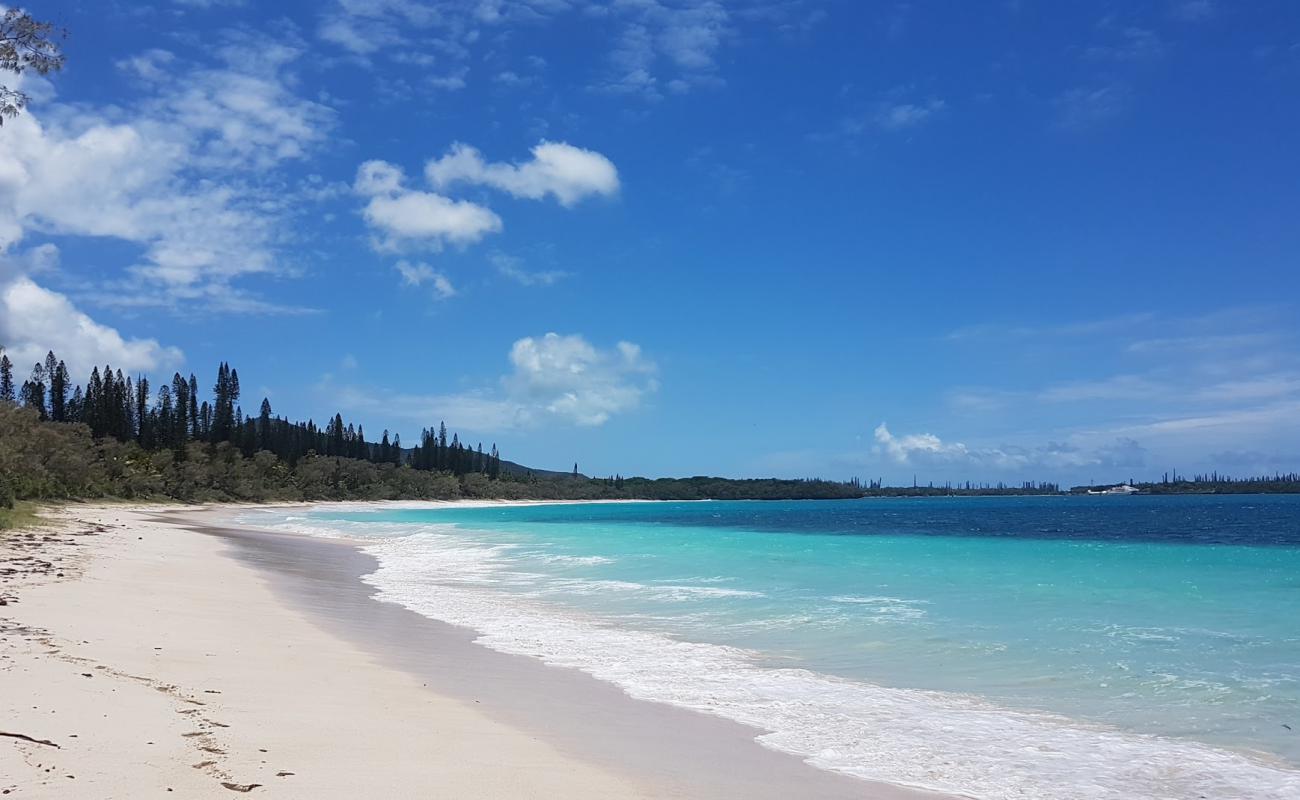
column 938, row 241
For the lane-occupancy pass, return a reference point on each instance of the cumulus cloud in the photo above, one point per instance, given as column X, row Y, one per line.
column 406, row 218
column 903, row 448
column 569, row 378
column 561, row 170
column 35, row 320
column 554, row 379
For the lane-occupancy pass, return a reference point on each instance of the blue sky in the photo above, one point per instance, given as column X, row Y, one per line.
column 984, row 241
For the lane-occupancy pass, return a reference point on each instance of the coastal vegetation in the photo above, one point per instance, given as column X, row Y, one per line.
column 1213, row 483
column 117, row 437
column 966, row 489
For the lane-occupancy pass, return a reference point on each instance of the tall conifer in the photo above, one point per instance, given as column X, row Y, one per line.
column 6, row 377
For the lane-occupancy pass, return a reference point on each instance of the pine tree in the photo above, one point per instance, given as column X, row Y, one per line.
column 196, row 431
column 57, row 383
column 264, row 426
column 34, row 391
column 76, row 406
column 91, row 405
column 181, row 397
column 144, row 432
column 336, row 436
column 59, row 380
column 33, row 396
column 166, row 426
column 6, row 377
column 440, row 460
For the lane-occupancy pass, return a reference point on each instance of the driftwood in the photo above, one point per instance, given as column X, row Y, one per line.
column 240, row 787
column 27, row 738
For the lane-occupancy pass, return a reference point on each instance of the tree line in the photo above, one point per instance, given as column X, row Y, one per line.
column 116, row 436
column 127, row 409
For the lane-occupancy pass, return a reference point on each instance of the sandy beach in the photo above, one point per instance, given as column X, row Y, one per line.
column 147, row 651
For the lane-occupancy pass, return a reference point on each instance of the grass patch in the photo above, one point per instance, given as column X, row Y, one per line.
column 22, row 515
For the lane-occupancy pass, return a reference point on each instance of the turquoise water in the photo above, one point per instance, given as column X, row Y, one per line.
column 1003, row 647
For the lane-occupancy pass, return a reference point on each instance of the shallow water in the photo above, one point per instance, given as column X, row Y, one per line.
column 1001, row 647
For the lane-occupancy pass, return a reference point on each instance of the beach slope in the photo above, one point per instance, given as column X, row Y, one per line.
column 142, row 662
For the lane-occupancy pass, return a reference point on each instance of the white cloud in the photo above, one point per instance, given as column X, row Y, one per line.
column 554, row 379
column 452, row 82
column 407, row 218
column 673, row 47
column 902, row 449
column 35, row 320
column 419, row 274
column 414, row 274
column 558, row 169
column 569, row 378
column 189, row 174
column 658, row 45
column 928, row 450
column 512, row 268
column 907, row 115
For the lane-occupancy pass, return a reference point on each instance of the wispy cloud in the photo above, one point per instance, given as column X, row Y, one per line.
column 1229, row 380
column 1127, row 43
column 928, row 450
column 191, row 173
column 418, row 274
column 656, row 47
column 512, row 267
column 899, row 116
column 1089, row 106
column 1192, row 10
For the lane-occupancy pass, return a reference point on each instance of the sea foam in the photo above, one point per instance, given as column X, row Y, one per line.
column 939, row 740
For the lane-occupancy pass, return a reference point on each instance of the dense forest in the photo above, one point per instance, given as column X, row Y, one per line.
column 116, row 437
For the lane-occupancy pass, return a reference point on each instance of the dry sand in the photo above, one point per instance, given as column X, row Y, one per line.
column 160, row 660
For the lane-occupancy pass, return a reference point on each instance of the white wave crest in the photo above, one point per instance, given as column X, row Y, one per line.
column 938, row 740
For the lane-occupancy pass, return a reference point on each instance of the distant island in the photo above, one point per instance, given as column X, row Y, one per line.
column 116, row 437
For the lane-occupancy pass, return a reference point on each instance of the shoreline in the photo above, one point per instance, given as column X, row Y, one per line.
column 324, row 691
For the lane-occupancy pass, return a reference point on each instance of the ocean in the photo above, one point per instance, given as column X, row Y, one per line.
column 1024, row 647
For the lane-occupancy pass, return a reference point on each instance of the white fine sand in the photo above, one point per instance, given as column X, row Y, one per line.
column 166, row 667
